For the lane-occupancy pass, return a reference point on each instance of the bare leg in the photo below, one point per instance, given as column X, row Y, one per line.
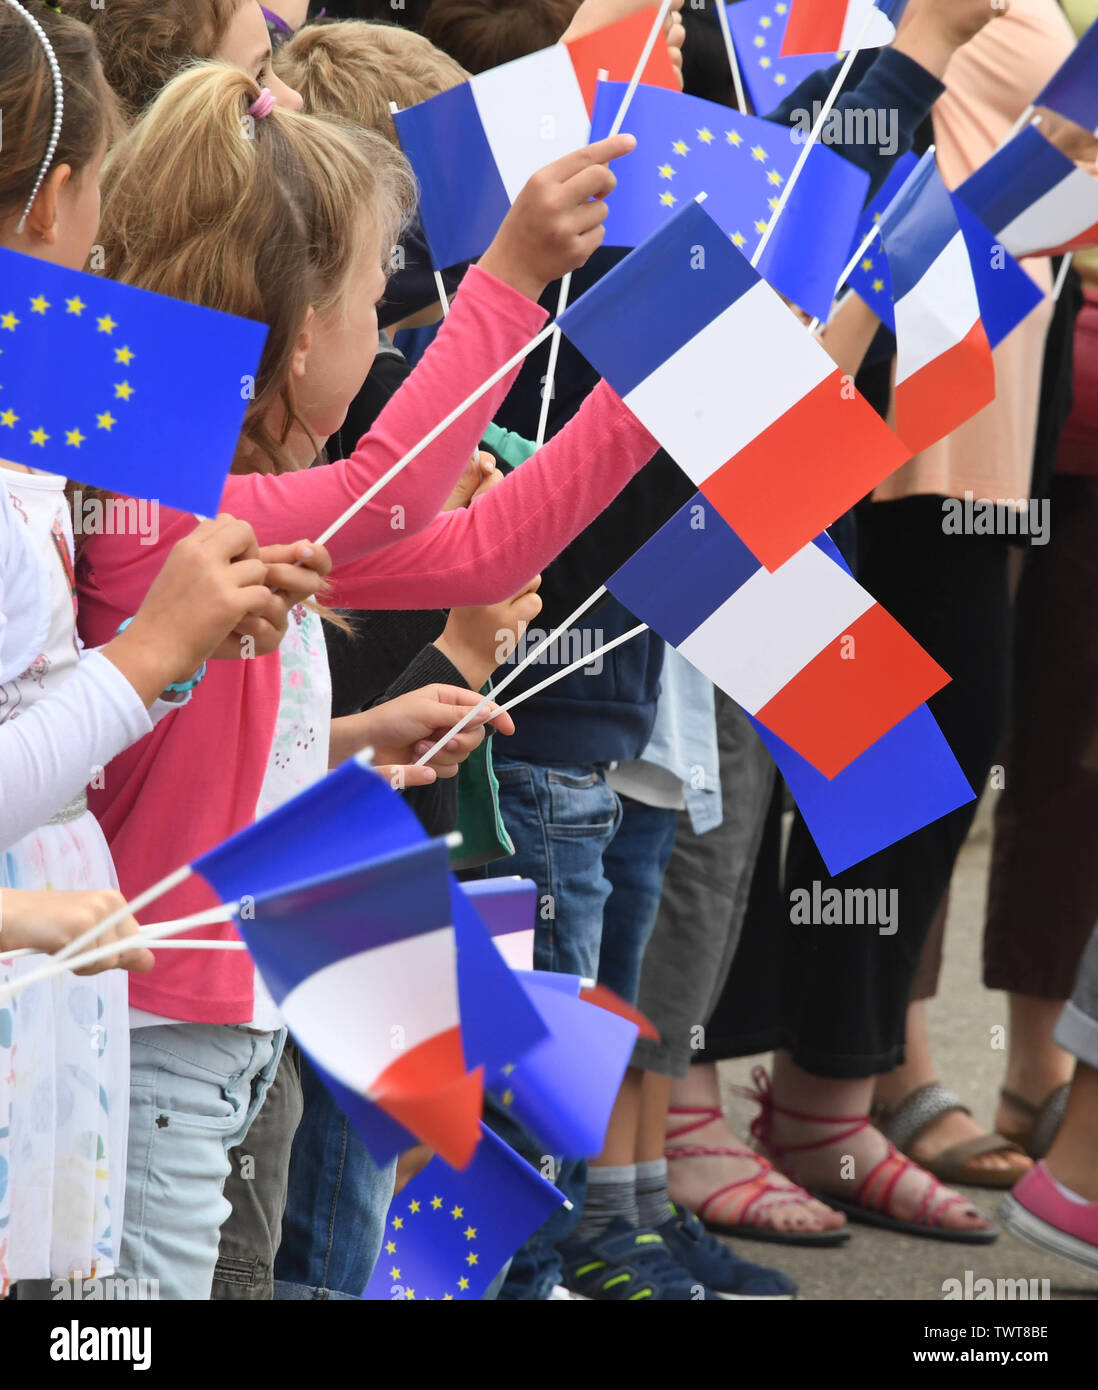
column 1035, row 1065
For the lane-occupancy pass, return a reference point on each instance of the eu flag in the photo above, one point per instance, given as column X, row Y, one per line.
column 871, row 279
column 449, row 1234
column 120, row 388
column 758, row 29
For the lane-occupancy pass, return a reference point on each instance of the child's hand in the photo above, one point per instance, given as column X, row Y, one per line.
column 479, row 470
column 478, row 640
column 555, row 224
column 50, row 920
column 211, row 581
column 294, row 574
column 400, row 731
column 931, row 31
column 597, row 14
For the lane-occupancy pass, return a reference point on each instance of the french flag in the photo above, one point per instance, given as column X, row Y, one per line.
column 944, row 370
column 507, row 907
column 833, row 26
column 1073, row 90
column 803, row 648
column 734, row 387
column 363, row 968
column 1036, row 200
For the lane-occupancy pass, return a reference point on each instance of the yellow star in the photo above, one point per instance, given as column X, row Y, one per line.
column 123, row 355
column 122, row 390
column 394, row 1273
column 734, row 138
column 463, row 1284
column 398, row 1223
column 413, row 1207
column 75, row 438
column 75, row 305
column 106, row 421
column 9, row 321
column 668, row 200
column 780, row 79
column 436, row 1202
column 680, row 147
column 775, row 178
column 772, row 203
column 508, row 1097
column 410, row 1295
column 759, row 153
column 867, row 264
column 765, row 22
column 39, row 304
column 106, row 324
column 390, row 1247
column 781, row 9
column 876, row 217
column 471, row 1258
column 8, row 417
column 457, row 1213
column 760, row 42
column 470, row 1233
column 764, row 63
column 39, row 437
column 666, row 172
column 738, row 239
column 705, row 135
column 760, row 227
column 878, row 285
column 447, row 1298
column 508, row 1069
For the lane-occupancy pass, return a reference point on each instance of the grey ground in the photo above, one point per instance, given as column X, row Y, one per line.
column 881, row 1265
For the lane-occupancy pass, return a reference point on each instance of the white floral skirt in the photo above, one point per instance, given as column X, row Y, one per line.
column 64, row 1085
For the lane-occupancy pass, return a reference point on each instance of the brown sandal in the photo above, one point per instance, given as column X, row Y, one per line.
column 1044, row 1119
column 918, row 1111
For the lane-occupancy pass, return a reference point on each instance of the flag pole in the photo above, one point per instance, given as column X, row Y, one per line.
column 825, row 111
column 150, row 895
column 429, row 438
column 1062, row 275
column 575, row 666
column 555, row 636
column 733, row 62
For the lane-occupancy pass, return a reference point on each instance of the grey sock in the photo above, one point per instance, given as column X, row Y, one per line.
column 610, row 1192
column 653, row 1194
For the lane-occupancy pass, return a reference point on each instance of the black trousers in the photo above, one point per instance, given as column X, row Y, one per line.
column 836, row 995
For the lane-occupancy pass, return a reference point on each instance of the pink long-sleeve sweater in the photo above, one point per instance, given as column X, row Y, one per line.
column 196, row 779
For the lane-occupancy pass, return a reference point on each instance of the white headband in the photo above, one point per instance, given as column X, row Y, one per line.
column 58, row 107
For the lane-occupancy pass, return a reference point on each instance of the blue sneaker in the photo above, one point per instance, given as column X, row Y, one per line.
column 709, row 1260
column 627, row 1264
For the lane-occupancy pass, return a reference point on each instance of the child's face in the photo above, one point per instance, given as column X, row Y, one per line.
column 342, row 346
column 64, row 218
column 247, row 44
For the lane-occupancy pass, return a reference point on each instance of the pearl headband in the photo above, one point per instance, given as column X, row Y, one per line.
column 58, row 108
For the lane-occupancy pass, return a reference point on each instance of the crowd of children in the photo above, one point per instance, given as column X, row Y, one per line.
column 245, row 159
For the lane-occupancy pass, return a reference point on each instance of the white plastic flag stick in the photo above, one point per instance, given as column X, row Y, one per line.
column 167, row 944
column 59, row 964
column 429, row 438
column 733, row 62
column 1023, row 120
column 576, row 666
column 212, row 916
column 1061, row 278
column 551, row 370
column 638, row 71
column 825, row 111
column 150, row 895
column 555, row 636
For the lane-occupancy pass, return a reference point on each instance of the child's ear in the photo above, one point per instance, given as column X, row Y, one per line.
column 303, row 346
column 42, row 219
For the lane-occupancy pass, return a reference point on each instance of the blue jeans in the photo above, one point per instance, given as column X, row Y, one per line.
column 562, row 820
column 635, row 862
column 336, row 1206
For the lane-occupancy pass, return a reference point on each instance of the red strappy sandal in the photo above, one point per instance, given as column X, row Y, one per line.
column 737, row 1202
column 871, row 1201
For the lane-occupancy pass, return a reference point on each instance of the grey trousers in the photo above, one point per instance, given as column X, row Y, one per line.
column 1077, row 1031
column 705, row 894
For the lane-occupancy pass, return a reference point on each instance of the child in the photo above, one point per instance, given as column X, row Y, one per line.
column 61, row 1158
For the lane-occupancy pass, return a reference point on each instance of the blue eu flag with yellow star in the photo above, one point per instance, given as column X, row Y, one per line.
column 687, row 146
column 120, row 388
column 758, row 29
column 870, row 279
column 449, row 1234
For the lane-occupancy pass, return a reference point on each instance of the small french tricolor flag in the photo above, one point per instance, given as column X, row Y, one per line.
column 804, row 648
column 1073, row 90
column 363, row 967
column 508, row 908
column 944, row 369
column 832, row 26
column 1036, row 200
column 739, row 393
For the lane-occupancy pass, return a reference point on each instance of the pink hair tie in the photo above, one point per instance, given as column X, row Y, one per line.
column 263, row 105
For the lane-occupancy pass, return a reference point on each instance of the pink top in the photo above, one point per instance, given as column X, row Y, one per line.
column 196, row 779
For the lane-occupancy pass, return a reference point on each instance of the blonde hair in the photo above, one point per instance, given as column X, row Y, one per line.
column 354, row 69
column 257, row 217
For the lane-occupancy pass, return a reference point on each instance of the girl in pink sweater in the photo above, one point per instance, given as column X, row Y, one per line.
column 288, row 219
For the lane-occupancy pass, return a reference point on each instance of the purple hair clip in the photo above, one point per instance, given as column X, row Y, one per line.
column 263, row 105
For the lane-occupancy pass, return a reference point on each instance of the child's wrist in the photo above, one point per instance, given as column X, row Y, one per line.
column 475, row 669
column 515, row 274
column 141, row 659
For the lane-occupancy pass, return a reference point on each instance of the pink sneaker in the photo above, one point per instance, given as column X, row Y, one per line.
column 1038, row 1212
